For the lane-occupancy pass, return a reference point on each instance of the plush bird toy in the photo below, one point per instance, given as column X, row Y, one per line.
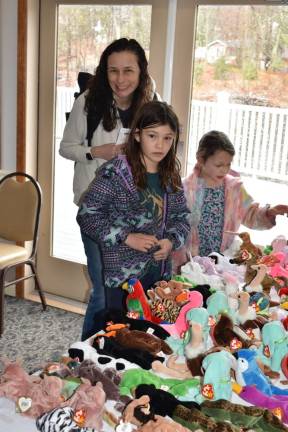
column 248, row 245
column 136, row 301
column 248, row 373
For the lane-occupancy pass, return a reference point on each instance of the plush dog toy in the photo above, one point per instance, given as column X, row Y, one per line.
column 166, row 290
column 110, row 347
column 85, row 351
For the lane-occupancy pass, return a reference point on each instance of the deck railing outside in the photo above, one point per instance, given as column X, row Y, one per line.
column 261, row 152
column 259, row 134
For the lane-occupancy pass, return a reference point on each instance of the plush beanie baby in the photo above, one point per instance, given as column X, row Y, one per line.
column 274, row 344
column 217, row 377
column 137, row 339
column 140, row 413
column 61, row 420
column 105, row 316
column 224, row 334
column 162, row 402
column 110, row 347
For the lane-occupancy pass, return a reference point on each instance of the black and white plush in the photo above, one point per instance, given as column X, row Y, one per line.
column 84, row 351
column 109, row 347
column 60, row 420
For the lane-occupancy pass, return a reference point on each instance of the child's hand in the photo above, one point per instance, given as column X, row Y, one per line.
column 279, row 209
column 141, row 242
column 164, row 251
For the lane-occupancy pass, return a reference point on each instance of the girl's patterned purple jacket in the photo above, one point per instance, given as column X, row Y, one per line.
column 240, row 208
column 111, row 210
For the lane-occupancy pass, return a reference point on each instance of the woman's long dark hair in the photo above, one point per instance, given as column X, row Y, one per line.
column 154, row 113
column 99, row 100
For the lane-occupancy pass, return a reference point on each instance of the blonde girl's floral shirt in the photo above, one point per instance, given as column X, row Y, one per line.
column 239, row 208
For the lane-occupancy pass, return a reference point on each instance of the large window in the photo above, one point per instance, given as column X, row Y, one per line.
column 239, row 87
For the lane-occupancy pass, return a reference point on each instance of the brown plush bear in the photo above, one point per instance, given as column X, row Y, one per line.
column 166, row 290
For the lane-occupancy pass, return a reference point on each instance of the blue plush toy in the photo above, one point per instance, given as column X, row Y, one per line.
column 248, row 373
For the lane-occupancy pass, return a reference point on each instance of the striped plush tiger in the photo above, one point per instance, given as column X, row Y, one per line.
column 165, row 309
column 60, row 420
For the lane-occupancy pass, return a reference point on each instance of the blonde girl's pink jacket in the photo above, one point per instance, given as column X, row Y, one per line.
column 240, row 208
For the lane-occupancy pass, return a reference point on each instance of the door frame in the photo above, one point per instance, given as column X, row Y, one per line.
column 51, row 269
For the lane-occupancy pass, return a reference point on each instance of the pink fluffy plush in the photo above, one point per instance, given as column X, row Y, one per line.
column 278, row 268
column 15, row 382
column 45, row 394
column 91, row 399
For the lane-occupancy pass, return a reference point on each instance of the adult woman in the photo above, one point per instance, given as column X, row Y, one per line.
column 121, row 85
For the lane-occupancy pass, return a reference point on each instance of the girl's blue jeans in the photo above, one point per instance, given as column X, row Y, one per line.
column 97, row 296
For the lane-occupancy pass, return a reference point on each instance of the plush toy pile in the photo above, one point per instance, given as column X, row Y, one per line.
column 205, row 351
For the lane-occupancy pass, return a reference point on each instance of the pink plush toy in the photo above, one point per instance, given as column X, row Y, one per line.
column 33, row 395
column 91, row 399
column 278, row 269
column 279, row 243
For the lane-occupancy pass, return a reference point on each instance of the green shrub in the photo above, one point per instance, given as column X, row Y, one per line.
column 249, row 70
column 277, row 64
column 221, row 69
column 198, row 72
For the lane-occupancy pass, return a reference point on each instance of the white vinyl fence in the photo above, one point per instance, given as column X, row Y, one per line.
column 64, row 102
column 259, row 134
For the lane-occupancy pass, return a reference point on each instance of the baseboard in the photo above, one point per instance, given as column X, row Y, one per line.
column 59, row 302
